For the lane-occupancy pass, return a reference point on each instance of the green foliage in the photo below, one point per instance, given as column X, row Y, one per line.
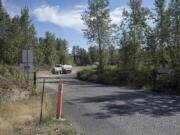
column 11, row 77
column 97, row 19
column 84, row 74
column 113, row 76
column 169, row 83
column 19, row 33
column 80, row 56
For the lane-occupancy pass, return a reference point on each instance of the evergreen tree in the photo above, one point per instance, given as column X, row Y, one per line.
column 49, row 44
column 4, row 31
column 93, row 54
column 62, row 51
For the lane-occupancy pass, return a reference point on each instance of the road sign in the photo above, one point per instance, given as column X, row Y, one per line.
column 163, row 68
column 27, row 56
column 27, row 67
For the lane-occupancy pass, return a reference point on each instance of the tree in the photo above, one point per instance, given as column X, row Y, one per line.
column 161, row 29
column 113, row 55
column 62, row 51
column 130, row 35
column 93, row 54
column 97, row 20
column 21, row 35
column 151, row 59
column 74, row 54
column 39, row 53
column 125, row 52
column 49, row 43
column 81, row 56
column 18, row 33
column 174, row 33
column 4, row 32
column 137, row 29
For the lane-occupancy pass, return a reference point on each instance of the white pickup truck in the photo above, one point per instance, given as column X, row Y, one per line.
column 61, row 69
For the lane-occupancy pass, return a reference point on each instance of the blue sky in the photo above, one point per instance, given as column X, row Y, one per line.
column 62, row 17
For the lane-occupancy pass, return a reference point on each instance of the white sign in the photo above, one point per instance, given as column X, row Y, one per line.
column 27, row 67
column 163, row 69
column 27, row 56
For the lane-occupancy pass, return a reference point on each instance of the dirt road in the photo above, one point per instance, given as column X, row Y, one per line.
column 96, row 109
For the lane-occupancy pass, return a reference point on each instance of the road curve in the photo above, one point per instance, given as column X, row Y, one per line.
column 96, row 109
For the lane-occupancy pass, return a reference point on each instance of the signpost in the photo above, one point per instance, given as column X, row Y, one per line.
column 27, row 67
column 27, row 56
column 27, row 63
column 163, row 68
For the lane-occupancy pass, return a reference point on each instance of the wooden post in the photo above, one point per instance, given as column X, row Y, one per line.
column 59, row 100
column 42, row 98
column 154, row 79
column 35, row 79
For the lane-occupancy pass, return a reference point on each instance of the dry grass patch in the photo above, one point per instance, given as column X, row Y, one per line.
column 14, row 115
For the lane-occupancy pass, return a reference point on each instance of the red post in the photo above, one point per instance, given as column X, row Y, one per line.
column 59, row 100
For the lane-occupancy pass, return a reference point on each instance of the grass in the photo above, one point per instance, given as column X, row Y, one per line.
column 22, row 118
column 14, row 115
column 11, row 77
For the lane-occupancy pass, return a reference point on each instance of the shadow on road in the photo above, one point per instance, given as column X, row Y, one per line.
column 129, row 103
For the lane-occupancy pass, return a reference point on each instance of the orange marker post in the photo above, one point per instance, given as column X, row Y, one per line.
column 59, row 100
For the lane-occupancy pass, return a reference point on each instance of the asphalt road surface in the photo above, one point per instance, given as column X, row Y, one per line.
column 96, row 109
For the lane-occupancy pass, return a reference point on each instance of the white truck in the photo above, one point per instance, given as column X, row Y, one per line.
column 61, row 69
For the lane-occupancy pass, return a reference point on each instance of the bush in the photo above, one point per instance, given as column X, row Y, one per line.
column 11, row 77
column 134, row 79
column 169, row 83
column 138, row 79
column 85, row 74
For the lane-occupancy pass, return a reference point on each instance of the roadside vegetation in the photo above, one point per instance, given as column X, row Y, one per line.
column 20, row 107
column 22, row 118
column 19, row 99
column 169, row 83
column 142, row 43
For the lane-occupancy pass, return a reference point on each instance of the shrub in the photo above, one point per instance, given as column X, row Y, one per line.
column 11, row 77
column 169, row 83
column 115, row 77
column 85, row 74
column 138, row 79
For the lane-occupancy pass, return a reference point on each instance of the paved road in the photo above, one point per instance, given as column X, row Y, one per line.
column 96, row 109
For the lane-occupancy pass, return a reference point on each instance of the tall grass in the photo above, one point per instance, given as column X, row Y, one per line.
column 11, row 77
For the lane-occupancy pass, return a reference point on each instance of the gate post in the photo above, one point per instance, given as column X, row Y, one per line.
column 59, row 100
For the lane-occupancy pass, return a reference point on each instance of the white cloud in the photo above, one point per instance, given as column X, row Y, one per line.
column 63, row 18
column 81, row 7
column 116, row 15
column 70, row 18
column 3, row 2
